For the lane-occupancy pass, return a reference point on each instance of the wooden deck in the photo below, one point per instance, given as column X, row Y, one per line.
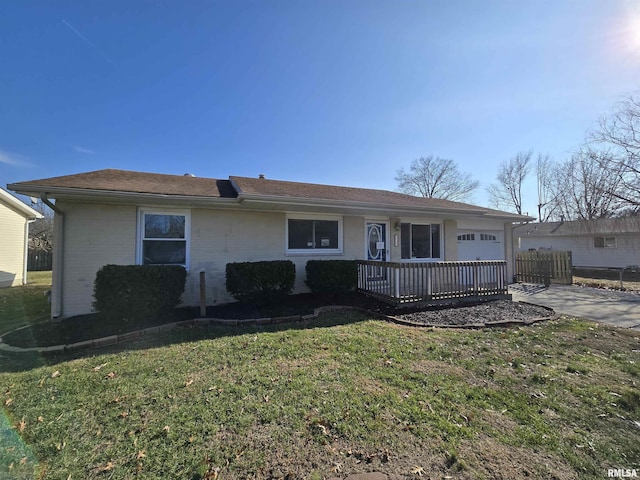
column 409, row 284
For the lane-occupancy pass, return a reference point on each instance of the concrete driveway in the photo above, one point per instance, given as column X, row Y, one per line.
column 621, row 309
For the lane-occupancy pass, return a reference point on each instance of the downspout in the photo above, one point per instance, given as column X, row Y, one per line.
column 58, row 257
column 26, row 250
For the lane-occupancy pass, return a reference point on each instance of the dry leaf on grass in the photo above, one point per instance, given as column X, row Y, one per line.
column 21, row 425
column 418, row 470
column 56, row 374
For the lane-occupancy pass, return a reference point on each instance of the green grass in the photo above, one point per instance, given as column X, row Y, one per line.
column 24, row 305
column 342, row 395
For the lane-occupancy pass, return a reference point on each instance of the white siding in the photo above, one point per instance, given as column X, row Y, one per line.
column 12, row 232
column 585, row 254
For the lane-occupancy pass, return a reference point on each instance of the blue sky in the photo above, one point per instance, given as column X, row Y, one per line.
column 341, row 92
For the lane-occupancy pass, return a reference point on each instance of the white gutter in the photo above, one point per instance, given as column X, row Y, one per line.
column 253, row 199
column 316, row 202
column 55, row 192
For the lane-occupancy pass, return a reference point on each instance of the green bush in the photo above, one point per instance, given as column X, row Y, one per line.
column 260, row 282
column 332, row 276
column 136, row 292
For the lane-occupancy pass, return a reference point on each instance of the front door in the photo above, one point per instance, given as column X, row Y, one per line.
column 376, row 249
column 376, row 241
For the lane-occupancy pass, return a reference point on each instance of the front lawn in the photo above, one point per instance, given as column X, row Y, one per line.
column 344, row 395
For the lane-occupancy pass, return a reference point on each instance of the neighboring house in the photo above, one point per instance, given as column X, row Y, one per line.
column 123, row 217
column 608, row 242
column 15, row 217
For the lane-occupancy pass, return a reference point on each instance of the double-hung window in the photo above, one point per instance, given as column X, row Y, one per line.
column 321, row 235
column 163, row 237
column 420, row 241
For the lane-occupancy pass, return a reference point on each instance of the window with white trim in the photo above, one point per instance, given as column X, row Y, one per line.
column 314, row 235
column 420, row 241
column 605, row 242
column 485, row 237
column 163, row 237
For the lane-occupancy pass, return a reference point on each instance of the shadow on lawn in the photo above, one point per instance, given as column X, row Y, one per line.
column 24, row 361
column 93, row 326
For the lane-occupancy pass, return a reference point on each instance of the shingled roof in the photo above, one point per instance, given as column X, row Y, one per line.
column 242, row 189
column 259, row 187
column 136, row 182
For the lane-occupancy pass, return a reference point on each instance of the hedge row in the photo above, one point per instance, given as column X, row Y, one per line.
column 332, row 276
column 265, row 282
column 136, row 292
column 260, row 282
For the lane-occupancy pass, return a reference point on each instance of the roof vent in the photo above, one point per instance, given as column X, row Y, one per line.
column 261, row 176
column 189, row 175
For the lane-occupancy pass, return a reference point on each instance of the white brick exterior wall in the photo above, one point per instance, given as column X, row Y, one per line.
column 94, row 235
column 223, row 236
column 97, row 234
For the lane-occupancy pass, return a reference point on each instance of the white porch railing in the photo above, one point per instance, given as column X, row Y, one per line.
column 411, row 283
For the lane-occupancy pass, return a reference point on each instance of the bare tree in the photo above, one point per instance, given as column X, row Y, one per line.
column 547, row 195
column 506, row 192
column 41, row 230
column 582, row 185
column 436, row 177
column 619, row 135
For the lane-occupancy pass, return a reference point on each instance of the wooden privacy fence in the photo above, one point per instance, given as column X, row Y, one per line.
column 411, row 283
column 39, row 260
column 544, row 267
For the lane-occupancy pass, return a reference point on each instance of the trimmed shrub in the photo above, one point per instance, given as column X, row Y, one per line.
column 332, row 276
column 260, row 282
column 136, row 292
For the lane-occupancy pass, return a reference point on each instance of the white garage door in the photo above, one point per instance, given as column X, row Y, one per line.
column 480, row 245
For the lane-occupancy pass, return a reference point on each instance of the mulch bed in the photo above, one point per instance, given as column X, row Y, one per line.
column 88, row 327
column 483, row 313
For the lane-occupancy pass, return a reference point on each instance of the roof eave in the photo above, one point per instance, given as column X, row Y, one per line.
column 367, row 206
column 23, row 209
column 64, row 192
